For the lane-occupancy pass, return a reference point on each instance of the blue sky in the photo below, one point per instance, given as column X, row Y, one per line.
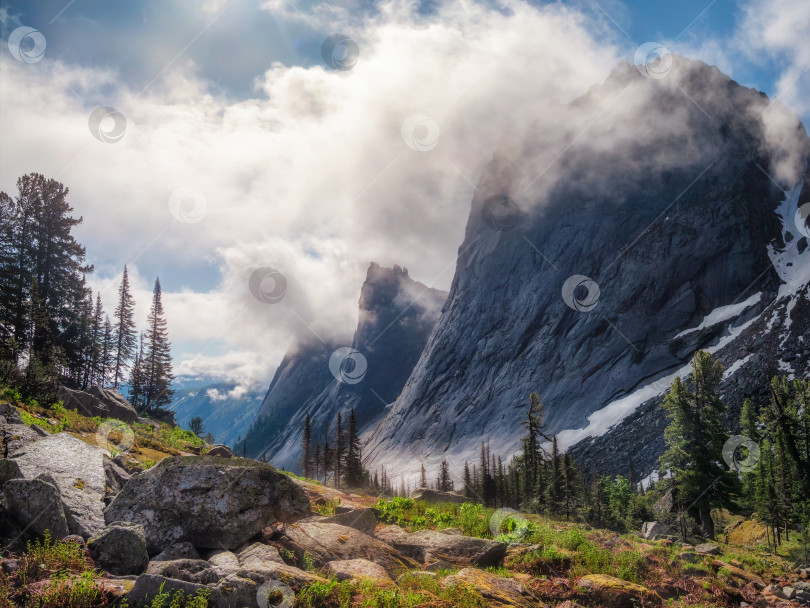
column 305, row 168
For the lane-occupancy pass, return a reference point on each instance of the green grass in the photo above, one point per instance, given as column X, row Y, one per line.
column 46, row 556
column 412, row 591
column 471, row 519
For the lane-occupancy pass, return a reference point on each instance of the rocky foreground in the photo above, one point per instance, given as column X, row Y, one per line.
column 248, row 535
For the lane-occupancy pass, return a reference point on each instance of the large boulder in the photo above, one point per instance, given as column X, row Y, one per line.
column 116, row 476
column 328, row 542
column 183, row 550
column 220, row 450
column 652, row 530
column 37, row 505
column 499, row 592
column 120, row 548
column 97, row 401
column 9, row 469
column 434, row 496
column 212, row 502
column 16, row 437
column 77, row 470
column 190, row 570
column 428, row 545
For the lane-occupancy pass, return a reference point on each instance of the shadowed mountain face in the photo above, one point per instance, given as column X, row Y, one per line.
column 649, row 226
column 396, row 316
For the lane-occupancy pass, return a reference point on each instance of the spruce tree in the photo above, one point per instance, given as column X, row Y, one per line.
column 137, row 378
column 158, row 361
column 328, row 461
column 125, row 332
column 340, row 449
column 695, row 438
column 423, row 477
column 354, row 463
column 469, row 491
column 306, row 456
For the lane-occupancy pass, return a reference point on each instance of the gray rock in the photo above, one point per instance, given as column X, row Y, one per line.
column 789, row 593
column 435, row 496
column 774, row 591
column 37, row 505
column 224, row 561
column 457, row 549
column 17, row 436
column 148, row 586
column 102, row 402
column 10, row 413
column 708, row 549
column 360, row 519
column 327, row 542
column 439, row 565
column 115, row 475
column 498, row 590
column 258, row 554
column 182, row 550
column 120, row 548
column 220, row 450
column 9, row 469
column 212, row 502
column 651, row 530
column 77, row 470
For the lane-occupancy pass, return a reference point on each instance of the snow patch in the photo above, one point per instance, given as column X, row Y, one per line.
column 786, row 367
column 735, row 367
column 793, row 267
column 724, row 313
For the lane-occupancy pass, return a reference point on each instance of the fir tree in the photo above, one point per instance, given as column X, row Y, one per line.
column 423, row 477
column 125, row 334
column 158, row 361
column 695, row 438
column 340, row 449
column 354, row 464
column 306, row 457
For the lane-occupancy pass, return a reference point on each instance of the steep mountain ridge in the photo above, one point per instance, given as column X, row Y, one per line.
column 665, row 213
column 396, row 316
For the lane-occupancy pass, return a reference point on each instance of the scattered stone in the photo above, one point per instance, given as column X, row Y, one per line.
column 224, row 561
column 358, row 569
column 708, row 549
column 258, row 554
column 496, row 590
column 457, row 549
column 175, row 551
column 289, row 574
column 360, row 519
column 210, row 501
column 17, row 437
column 569, row 604
column 10, row 566
column 120, row 548
column 77, row 470
column 435, row 496
column 220, row 450
column 789, row 592
column 327, row 542
column 652, row 530
column 191, row 570
column 116, row 476
column 774, row 591
column 37, row 505
column 616, row 592
column 39, row 430
column 452, row 531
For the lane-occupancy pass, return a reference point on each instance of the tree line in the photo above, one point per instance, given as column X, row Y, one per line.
column 52, row 330
column 339, row 463
column 702, row 468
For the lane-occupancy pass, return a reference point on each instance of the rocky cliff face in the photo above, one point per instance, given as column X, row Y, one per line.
column 396, row 316
column 599, row 256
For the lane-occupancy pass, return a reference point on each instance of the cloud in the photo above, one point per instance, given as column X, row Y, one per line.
column 311, row 175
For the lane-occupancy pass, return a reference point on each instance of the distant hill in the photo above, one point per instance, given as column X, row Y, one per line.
column 227, row 411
